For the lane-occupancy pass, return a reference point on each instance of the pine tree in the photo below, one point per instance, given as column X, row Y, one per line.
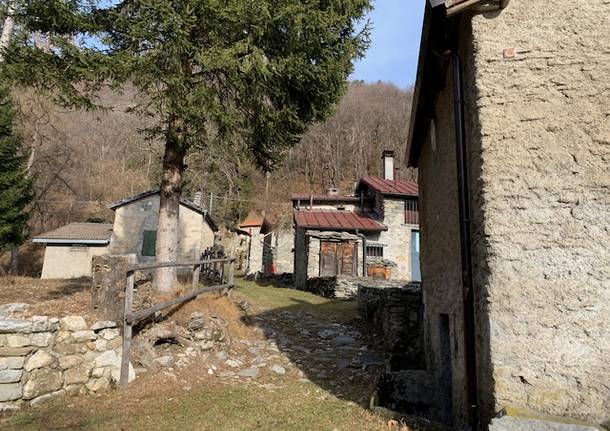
column 216, row 74
column 15, row 184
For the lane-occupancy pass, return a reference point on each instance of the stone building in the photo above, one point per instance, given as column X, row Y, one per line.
column 373, row 233
column 135, row 227
column 69, row 249
column 511, row 135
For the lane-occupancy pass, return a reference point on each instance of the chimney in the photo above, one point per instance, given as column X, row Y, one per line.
column 197, row 198
column 388, row 165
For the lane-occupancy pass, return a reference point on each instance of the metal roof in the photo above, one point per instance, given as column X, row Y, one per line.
column 84, row 233
column 391, row 187
column 325, row 198
column 337, row 220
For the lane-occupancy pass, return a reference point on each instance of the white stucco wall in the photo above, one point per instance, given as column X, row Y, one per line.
column 68, row 261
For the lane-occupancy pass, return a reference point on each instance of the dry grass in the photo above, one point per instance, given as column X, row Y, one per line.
column 56, row 298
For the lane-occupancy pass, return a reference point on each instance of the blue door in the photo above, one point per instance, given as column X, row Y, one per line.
column 415, row 270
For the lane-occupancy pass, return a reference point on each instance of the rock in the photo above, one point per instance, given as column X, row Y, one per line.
column 232, row 363
column 8, row 326
column 82, row 336
column 43, row 324
column 101, row 345
column 96, row 385
column 73, row 323
column 10, row 392
column 109, row 334
column 102, row 372
column 8, row 407
column 164, row 361
column 15, row 351
column 327, row 333
column 17, row 341
column 8, row 309
column 249, row 372
column 43, row 398
column 108, row 359
column 196, row 321
column 42, row 381
column 343, row 340
column 221, row 356
column 103, row 324
column 38, row 360
column 116, row 374
column 277, row 369
column 41, row 339
column 10, row 376
column 12, row 363
column 70, row 361
column 70, row 348
column 206, row 345
column 78, row 375
column 509, row 423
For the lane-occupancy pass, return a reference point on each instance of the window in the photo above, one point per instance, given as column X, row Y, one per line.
column 374, row 250
column 149, row 243
column 411, row 212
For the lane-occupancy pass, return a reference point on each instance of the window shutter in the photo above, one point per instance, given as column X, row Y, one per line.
column 149, row 243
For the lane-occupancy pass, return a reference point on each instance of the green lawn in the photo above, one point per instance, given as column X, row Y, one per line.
column 269, row 297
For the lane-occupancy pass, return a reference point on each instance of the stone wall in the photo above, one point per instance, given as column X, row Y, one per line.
column 541, row 185
column 42, row 357
column 343, row 286
column 538, row 136
column 283, row 253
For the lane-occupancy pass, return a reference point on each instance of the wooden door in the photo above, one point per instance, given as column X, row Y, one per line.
column 328, row 259
column 348, row 258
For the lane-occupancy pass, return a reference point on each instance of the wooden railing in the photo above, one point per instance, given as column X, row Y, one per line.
column 210, row 266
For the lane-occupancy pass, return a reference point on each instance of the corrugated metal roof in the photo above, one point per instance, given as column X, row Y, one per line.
column 75, row 232
column 252, row 221
column 324, row 198
column 391, row 187
column 337, row 220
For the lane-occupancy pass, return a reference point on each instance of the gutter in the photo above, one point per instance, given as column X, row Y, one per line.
column 72, row 241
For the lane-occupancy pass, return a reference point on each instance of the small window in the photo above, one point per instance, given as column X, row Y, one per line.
column 149, row 243
column 374, row 250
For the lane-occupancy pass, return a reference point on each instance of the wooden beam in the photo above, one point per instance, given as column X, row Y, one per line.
column 127, row 330
column 174, row 264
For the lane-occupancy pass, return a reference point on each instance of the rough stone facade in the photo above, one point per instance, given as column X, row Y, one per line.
column 42, row 357
column 69, row 261
column 132, row 219
column 538, row 137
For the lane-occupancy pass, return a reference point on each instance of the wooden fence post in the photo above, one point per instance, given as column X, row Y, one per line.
column 230, row 281
column 127, row 330
column 196, row 273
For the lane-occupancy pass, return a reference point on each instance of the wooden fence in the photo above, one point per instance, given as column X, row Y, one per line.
column 213, row 269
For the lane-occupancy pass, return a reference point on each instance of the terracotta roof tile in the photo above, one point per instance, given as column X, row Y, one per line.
column 337, row 220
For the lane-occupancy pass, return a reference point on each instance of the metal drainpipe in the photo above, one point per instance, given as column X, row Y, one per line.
column 361, row 236
column 465, row 239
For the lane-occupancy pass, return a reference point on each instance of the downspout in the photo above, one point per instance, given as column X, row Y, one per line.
column 465, row 239
column 363, row 238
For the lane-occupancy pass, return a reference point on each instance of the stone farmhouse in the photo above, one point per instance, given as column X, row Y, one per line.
column 373, row 233
column 511, row 135
column 69, row 249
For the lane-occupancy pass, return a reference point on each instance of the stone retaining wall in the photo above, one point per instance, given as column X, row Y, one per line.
column 42, row 357
column 347, row 287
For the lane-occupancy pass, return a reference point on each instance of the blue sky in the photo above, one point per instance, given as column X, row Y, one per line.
column 395, row 36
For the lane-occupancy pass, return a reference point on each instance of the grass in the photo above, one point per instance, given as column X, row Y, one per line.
column 269, row 297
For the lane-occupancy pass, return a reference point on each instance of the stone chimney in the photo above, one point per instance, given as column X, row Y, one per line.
column 388, row 165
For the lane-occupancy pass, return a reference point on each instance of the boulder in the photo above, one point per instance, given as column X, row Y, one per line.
column 116, row 374
column 100, row 384
column 17, row 341
column 43, row 324
column 10, row 392
column 164, row 361
column 108, row 359
column 7, row 309
column 10, row 376
column 71, row 348
column 15, row 351
column 41, row 339
column 46, row 397
column 38, row 360
column 73, row 323
column 109, row 334
column 78, row 375
column 278, row 369
column 82, row 336
column 70, row 361
column 196, row 321
column 103, row 324
column 42, row 381
column 8, row 326
column 12, row 363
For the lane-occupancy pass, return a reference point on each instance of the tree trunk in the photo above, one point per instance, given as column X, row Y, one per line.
column 14, row 260
column 7, row 29
column 167, row 230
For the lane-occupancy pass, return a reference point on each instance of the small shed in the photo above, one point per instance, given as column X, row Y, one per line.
column 69, row 249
